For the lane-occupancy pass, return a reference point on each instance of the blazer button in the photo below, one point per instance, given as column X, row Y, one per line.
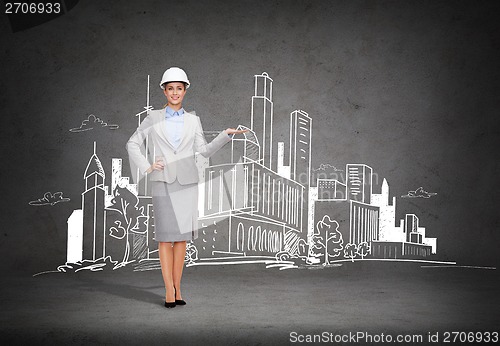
column 175, row 151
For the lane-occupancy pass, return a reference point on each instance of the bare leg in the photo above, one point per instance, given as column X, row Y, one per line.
column 166, row 252
column 179, row 254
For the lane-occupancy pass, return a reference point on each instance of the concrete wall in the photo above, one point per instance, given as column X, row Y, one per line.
column 408, row 88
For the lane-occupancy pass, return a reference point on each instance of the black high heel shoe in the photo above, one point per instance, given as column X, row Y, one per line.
column 178, row 301
column 170, row 305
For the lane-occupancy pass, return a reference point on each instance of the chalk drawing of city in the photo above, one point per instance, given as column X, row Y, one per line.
column 253, row 208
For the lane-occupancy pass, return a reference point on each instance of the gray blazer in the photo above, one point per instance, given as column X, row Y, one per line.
column 180, row 162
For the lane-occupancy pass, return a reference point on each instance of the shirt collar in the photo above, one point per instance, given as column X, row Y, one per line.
column 170, row 112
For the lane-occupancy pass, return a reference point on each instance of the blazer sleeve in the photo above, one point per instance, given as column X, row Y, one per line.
column 134, row 144
column 208, row 149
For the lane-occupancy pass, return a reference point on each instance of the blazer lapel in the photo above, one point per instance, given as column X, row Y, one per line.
column 161, row 127
column 186, row 128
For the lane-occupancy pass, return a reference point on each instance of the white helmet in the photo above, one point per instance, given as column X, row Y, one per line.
column 174, row 74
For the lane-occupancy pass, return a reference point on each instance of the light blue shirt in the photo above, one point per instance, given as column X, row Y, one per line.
column 175, row 123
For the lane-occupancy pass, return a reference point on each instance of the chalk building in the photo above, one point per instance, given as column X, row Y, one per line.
column 258, row 205
column 387, row 215
column 261, row 118
column 245, row 147
column 247, row 203
column 358, row 221
column 363, row 222
column 300, row 156
column 331, row 189
column 408, row 240
column 94, row 230
column 282, row 169
column 300, row 147
column 74, row 250
column 359, row 182
column 370, row 216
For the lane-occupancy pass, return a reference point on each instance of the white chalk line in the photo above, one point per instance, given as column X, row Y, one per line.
column 455, row 266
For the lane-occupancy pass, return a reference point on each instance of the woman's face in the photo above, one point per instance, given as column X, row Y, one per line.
column 175, row 91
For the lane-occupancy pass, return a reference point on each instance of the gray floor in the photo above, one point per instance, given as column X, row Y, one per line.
column 247, row 304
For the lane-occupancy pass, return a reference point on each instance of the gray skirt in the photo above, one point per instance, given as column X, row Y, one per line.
column 175, row 209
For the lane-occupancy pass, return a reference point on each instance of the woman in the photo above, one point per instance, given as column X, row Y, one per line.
column 176, row 135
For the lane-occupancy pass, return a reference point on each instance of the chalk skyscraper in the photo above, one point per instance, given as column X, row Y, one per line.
column 261, row 121
column 94, row 243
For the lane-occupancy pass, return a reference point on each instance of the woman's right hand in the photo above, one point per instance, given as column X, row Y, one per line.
column 158, row 166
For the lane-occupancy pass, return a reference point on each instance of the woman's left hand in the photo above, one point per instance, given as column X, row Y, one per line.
column 231, row 131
